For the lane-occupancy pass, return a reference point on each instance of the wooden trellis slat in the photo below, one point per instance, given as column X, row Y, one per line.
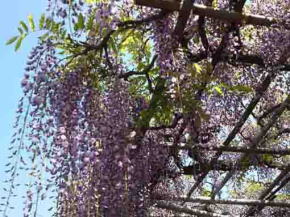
column 248, row 111
column 233, row 149
column 196, row 169
column 228, row 16
column 180, row 209
column 265, row 199
column 254, row 143
column 242, row 202
column 267, row 191
column 182, row 19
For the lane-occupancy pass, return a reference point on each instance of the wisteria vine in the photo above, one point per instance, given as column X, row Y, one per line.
column 112, row 98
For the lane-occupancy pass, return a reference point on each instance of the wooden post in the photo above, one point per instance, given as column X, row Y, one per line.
column 182, row 19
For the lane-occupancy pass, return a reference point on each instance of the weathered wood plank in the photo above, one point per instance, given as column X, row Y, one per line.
column 228, row 16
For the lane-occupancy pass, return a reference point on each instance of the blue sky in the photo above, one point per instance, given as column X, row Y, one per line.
column 12, row 67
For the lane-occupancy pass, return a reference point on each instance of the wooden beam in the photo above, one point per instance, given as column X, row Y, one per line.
column 228, row 16
column 259, row 93
column 253, row 144
column 181, row 209
column 267, row 191
column 171, row 5
column 242, row 202
column 221, row 165
column 238, row 149
column 182, row 19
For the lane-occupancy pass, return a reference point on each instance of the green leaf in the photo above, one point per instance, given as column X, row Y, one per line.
column 91, row 1
column 24, row 26
column 113, row 45
column 41, row 21
column 242, row 88
column 11, row 40
column 31, row 23
column 20, row 30
column 80, row 23
column 55, row 27
column 206, row 193
column 197, row 67
column 18, row 43
column 48, row 23
column 44, row 37
column 253, row 188
column 215, row 4
column 90, row 23
column 267, row 158
column 218, row 90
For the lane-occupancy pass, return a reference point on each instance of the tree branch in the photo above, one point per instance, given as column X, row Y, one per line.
column 202, row 33
column 144, row 72
column 130, row 24
column 240, row 58
column 283, row 131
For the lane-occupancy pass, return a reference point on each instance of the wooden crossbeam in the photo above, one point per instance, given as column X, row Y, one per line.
column 171, row 5
column 268, row 191
column 263, row 87
column 256, row 140
column 196, row 169
column 242, row 202
column 239, row 149
column 185, row 210
column 228, row 16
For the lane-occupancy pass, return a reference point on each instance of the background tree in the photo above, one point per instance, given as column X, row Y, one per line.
column 138, row 111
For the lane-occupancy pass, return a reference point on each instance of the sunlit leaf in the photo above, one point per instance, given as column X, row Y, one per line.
column 31, row 23
column 11, row 40
column 24, row 26
column 42, row 21
column 18, row 43
column 218, row 90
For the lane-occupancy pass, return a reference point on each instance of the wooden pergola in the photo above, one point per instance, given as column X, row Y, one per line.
column 266, row 198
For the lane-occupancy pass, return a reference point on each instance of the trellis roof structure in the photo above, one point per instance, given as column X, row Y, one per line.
column 253, row 147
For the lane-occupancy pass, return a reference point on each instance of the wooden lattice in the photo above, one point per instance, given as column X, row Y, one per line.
column 266, row 198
